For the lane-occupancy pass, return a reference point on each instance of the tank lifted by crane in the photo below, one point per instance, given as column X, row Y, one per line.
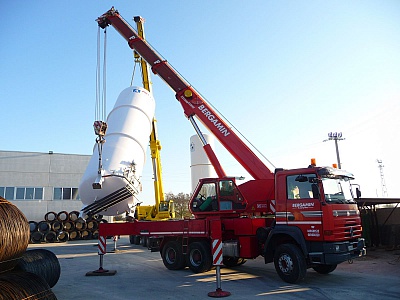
column 111, row 189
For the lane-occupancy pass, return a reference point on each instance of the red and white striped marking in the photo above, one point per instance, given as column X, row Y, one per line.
column 102, row 245
column 217, row 252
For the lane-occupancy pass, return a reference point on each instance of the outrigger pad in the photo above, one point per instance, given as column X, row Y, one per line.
column 101, row 272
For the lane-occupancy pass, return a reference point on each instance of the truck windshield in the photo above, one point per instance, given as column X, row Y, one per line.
column 337, row 190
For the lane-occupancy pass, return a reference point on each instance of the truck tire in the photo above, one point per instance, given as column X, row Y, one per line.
column 136, row 240
column 290, row 263
column 131, row 239
column 172, row 256
column 199, row 257
column 324, row 269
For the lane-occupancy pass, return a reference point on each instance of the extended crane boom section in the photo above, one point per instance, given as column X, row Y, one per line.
column 192, row 102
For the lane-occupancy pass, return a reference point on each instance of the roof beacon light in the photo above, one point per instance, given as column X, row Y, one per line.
column 313, row 162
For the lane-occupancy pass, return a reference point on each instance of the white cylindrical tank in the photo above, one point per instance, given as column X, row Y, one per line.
column 124, row 150
column 200, row 165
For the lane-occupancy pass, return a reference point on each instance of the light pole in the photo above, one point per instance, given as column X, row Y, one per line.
column 336, row 136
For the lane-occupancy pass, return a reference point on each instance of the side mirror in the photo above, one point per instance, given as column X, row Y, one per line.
column 315, row 191
column 358, row 193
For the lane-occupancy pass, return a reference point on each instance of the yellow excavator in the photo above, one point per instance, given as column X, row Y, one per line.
column 162, row 209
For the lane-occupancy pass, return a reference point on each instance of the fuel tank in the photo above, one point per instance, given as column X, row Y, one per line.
column 112, row 191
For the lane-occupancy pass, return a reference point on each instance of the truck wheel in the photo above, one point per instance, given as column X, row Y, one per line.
column 324, row 269
column 290, row 263
column 144, row 240
column 136, row 240
column 172, row 256
column 199, row 258
column 132, row 239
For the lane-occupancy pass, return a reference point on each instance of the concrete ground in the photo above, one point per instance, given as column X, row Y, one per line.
column 142, row 275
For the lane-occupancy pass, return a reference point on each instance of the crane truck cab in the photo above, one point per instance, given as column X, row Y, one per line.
column 307, row 219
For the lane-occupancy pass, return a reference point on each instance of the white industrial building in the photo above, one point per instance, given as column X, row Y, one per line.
column 38, row 183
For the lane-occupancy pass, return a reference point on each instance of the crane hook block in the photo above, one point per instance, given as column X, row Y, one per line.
column 100, row 128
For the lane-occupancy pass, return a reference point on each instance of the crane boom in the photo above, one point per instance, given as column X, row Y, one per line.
column 155, row 145
column 192, row 102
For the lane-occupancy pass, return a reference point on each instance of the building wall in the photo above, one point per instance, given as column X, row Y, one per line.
column 42, row 170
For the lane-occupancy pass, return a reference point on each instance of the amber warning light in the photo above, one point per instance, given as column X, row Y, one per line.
column 313, row 162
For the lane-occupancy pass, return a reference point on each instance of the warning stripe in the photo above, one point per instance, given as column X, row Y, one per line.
column 217, row 252
column 102, row 245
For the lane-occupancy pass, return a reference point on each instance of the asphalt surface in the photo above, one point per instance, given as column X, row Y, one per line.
column 140, row 274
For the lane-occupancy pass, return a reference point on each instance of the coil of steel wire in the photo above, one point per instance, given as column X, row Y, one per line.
column 17, row 285
column 14, row 235
column 44, row 227
column 74, row 235
column 73, row 215
column 92, row 225
column 62, row 236
column 63, row 216
column 50, row 216
column 36, row 237
column 41, row 262
column 50, row 237
column 33, row 226
column 56, row 225
column 68, row 226
column 80, row 224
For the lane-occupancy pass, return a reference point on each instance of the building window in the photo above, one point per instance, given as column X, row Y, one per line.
column 9, row 195
column 38, row 193
column 57, row 193
column 66, row 193
column 21, row 193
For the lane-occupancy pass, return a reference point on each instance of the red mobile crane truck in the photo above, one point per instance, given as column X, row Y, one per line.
column 297, row 219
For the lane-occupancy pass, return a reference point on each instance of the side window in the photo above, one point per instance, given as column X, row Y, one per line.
column 300, row 186
column 206, row 199
column 226, row 188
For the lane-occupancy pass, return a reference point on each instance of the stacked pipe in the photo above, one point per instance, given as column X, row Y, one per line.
column 64, row 226
column 21, row 276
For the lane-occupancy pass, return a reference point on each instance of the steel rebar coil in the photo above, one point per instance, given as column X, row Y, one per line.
column 63, row 216
column 14, row 235
column 95, row 234
column 73, row 215
column 41, row 262
column 69, row 226
column 62, row 236
column 86, row 235
column 80, row 224
column 92, row 225
column 50, row 216
column 17, row 285
column 33, row 226
column 50, row 237
column 36, row 237
column 56, row 225
column 44, row 227
column 74, row 235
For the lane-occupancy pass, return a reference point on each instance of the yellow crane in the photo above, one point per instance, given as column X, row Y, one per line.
column 162, row 209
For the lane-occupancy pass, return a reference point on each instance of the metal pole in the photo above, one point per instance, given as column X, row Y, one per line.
column 337, row 153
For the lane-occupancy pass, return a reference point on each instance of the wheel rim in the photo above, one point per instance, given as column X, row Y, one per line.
column 171, row 256
column 285, row 263
column 195, row 257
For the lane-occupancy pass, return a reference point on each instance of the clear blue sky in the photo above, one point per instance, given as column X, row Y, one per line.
column 285, row 73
